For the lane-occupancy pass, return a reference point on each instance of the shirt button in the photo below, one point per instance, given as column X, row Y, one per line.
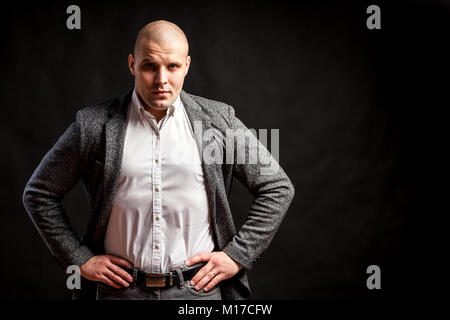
column 156, row 189
column 157, row 218
column 156, row 246
column 156, row 161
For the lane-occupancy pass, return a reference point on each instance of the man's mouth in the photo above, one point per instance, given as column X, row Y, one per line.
column 161, row 93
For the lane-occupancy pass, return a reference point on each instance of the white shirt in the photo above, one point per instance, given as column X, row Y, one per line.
column 160, row 216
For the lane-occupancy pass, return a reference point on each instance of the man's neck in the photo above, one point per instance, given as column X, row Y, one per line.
column 158, row 114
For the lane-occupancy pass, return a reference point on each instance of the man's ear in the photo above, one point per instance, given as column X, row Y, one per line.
column 188, row 63
column 131, row 62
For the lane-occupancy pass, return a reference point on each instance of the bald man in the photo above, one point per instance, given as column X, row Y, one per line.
column 160, row 224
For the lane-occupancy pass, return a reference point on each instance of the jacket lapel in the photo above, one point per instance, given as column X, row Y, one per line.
column 201, row 122
column 115, row 130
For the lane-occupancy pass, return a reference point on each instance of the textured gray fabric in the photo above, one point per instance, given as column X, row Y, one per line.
column 91, row 149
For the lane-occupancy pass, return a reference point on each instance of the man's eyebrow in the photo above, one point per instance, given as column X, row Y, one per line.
column 146, row 60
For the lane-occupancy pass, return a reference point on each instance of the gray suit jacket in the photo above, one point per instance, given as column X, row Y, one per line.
column 91, row 149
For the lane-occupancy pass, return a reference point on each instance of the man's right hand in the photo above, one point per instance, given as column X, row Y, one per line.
column 105, row 268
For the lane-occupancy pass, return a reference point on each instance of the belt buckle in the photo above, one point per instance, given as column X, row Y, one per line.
column 155, row 280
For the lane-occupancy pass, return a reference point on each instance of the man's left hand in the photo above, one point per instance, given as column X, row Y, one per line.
column 219, row 267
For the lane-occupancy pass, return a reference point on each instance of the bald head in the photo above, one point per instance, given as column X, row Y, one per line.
column 162, row 33
column 159, row 64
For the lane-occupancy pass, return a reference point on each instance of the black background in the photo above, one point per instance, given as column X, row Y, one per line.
column 360, row 113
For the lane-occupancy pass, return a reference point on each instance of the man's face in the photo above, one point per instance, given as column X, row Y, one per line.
column 159, row 72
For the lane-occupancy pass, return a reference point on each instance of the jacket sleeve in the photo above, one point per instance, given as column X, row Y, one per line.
column 272, row 190
column 57, row 173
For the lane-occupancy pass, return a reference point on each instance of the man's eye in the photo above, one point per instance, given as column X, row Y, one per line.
column 173, row 66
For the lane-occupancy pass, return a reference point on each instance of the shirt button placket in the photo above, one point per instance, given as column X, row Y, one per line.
column 156, row 256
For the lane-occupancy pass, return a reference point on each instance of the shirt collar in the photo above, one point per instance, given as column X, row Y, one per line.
column 139, row 109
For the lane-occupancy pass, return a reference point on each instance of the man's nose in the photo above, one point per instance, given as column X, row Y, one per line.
column 161, row 76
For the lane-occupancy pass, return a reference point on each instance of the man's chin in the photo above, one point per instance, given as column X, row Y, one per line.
column 160, row 105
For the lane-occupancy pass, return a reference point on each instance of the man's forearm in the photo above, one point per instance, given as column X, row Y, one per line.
column 264, row 218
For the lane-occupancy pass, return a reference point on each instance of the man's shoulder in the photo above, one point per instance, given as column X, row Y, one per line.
column 91, row 119
column 98, row 112
column 212, row 105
